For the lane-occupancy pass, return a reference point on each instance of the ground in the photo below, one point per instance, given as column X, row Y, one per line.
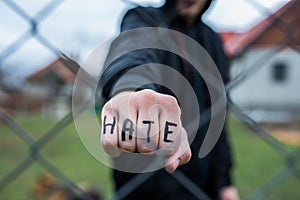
column 288, row 133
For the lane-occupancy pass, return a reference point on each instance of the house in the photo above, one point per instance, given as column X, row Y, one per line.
column 270, row 53
column 5, row 101
column 52, row 85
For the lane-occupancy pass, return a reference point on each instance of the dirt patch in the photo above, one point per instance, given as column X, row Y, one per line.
column 288, row 133
column 291, row 137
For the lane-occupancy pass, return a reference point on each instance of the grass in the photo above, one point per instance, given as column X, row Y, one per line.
column 255, row 161
column 65, row 151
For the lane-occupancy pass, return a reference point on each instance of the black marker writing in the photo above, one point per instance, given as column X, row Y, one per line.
column 167, row 131
column 149, row 128
column 126, row 128
column 104, row 125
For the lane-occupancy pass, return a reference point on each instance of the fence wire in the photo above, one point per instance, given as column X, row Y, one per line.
column 291, row 156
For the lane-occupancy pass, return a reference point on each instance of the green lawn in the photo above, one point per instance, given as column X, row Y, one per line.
column 65, row 152
column 255, row 161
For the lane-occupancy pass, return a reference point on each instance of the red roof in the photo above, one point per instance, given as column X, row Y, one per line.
column 56, row 66
column 270, row 31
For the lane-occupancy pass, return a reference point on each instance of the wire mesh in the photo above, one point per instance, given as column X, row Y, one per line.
column 291, row 156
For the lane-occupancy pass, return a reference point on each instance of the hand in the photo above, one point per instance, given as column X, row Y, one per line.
column 229, row 193
column 147, row 122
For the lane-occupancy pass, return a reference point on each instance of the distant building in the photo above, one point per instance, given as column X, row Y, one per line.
column 271, row 50
column 53, row 84
column 5, row 101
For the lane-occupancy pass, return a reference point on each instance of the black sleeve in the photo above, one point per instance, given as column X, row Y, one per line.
column 120, row 61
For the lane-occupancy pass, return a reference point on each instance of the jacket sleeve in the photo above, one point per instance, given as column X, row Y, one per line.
column 126, row 54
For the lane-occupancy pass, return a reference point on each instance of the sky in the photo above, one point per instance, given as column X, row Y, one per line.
column 76, row 27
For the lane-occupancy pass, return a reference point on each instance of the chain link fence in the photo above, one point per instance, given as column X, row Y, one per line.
column 288, row 34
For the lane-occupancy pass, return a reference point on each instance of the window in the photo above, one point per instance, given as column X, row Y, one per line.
column 279, row 72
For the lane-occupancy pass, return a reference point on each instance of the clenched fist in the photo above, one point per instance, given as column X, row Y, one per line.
column 145, row 122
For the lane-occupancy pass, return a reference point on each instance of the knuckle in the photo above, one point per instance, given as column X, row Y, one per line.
column 146, row 96
column 170, row 103
column 107, row 108
column 133, row 100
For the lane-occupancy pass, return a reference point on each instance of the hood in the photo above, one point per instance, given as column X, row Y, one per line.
column 170, row 5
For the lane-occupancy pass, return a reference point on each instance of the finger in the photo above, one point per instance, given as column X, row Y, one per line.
column 172, row 166
column 181, row 156
column 170, row 125
column 127, row 126
column 109, row 131
column 148, row 129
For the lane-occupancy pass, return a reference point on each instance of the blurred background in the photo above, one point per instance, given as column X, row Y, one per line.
column 39, row 144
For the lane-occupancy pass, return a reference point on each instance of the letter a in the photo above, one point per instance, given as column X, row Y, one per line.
column 129, row 129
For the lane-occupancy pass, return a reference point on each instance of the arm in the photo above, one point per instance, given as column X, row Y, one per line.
column 134, row 112
column 120, row 61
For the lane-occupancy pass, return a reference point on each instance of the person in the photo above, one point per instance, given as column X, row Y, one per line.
column 128, row 106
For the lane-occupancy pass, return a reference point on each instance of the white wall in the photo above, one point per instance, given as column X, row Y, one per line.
column 260, row 90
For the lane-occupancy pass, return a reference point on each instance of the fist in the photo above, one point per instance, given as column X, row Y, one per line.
column 145, row 122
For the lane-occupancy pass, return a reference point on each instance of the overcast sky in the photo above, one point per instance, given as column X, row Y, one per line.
column 76, row 27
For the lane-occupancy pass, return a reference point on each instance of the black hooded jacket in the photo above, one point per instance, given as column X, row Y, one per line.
column 209, row 173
